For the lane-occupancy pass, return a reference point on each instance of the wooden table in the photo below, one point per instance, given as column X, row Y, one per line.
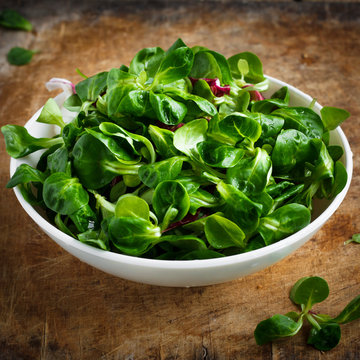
column 52, row 306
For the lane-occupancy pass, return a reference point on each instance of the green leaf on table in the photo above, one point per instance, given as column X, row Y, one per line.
column 276, row 327
column 325, row 338
column 350, row 313
column 19, row 56
column 13, row 20
column 309, row 291
column 355, row 239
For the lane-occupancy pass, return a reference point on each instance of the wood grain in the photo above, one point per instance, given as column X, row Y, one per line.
column 52, row 306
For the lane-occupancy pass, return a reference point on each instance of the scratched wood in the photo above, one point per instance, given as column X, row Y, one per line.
column 52, row 306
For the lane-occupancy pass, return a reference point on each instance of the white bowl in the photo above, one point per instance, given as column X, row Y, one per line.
column 190, row 272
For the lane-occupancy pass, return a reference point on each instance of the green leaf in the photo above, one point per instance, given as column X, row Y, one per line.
column 133, row 235
column 147, row 60
column 351, row 311
column 119, row 84
column 226, row 78
column 170, row 202
column 309, row 291
column 153, row 174
column 188, row 136
column 335, row 151
column 90, row 88
column 292, row 148
column 91, row 237
column 24, row 174
column 122, row 147
column 222, row 233
column 184, row 242
column 174, row 66
column 326, row 338
column 20, row 143
column 238, row 126
column 136, row 103
column 13, row 20
column 280, row 99
column 355, row 238
column 332, row 117
column 283, row 222
column 203, row 104
column 51, row 114
column 84, row 218
column 239, row 208
column 95, row 165
column 167, row 110
column 205, row 66
column 73, row 103
column 177, row 44
column 251, row 174
column 19, row 56
column 203, row 199
column 64, row 194
column 276, row 327
column 163, row 141
column 129, row 205
column 144, row 144
column 340, row 179
column 303, row 119
column 254, row 66
column 217, row 154
column 58, row 161
column 201, row 254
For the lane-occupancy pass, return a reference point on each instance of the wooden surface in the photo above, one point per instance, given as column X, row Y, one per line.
column 52, row 306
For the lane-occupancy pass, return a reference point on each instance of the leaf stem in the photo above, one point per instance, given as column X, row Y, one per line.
column 312, row 321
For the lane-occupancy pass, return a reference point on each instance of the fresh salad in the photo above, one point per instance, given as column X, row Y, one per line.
column 179, row 156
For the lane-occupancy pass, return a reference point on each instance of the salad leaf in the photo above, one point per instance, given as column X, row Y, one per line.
column 19, row 56
column 13, row 20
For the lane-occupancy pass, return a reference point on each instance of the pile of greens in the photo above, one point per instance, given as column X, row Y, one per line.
column 179, row 156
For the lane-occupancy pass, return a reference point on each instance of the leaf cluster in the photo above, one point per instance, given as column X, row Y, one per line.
column 325, row 331
column 173, row 157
